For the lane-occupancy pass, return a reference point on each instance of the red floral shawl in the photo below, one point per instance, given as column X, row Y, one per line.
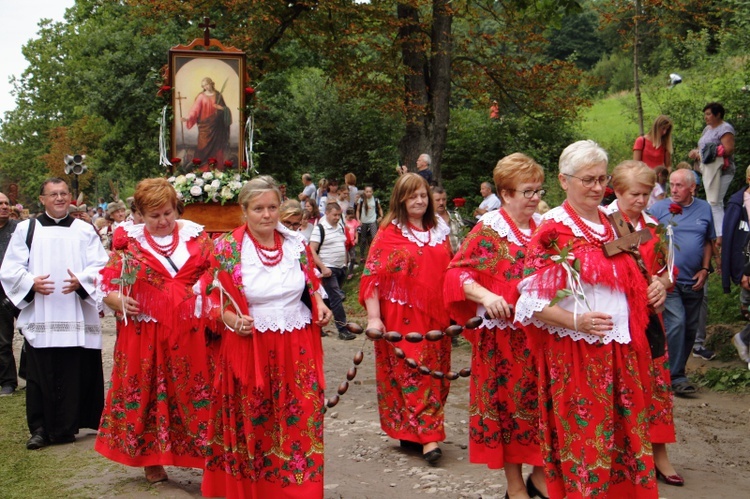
column 169, row 300
column 240, row 351
column 494, row 262
column 619, row 272
column 402, row 271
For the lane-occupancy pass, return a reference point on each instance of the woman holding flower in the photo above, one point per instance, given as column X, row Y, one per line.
column 482, row 280
column 400, row 289
column 265, row 427
column 157, row 407
column 633, row 182
column 586, row 316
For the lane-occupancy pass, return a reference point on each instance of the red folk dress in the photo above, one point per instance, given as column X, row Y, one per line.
column 265, row 428
column 594, row 419
column 405, row 268
column 651, row 156
column 661, row 405
column 503, row 404
column 156, row 411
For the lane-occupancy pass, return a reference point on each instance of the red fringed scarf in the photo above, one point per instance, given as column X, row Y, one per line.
column 402, row 271
column 619, row 272
column 169, row 300
column 494, row 262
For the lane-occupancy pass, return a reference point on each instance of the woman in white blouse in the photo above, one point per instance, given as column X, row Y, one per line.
column 586, row 315
column 265, row 428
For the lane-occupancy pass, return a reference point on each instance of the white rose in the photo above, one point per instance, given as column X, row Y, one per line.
column 179, row 195
column 235, row 186
column 237, row 177
column 208, row 189
column 181, row 180
column 226, row 193
column 199, row 182
column 216, row 183
column 208, row 176
column 219, row 175
column 190, row 176
column 196, row 191
column 171, row 180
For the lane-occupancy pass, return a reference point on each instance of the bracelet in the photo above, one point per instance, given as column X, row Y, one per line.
column 706, row 269
column 575, row 322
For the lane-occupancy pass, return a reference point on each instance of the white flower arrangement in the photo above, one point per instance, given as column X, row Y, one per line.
column 210, row 186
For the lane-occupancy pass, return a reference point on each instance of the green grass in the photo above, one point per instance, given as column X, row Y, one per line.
column 612, row 122
column 49, row 472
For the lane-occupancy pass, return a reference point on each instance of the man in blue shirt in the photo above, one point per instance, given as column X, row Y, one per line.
column 694, row 233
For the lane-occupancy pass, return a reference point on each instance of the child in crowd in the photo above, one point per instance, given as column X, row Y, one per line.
column 343, row 199
column 352, row 227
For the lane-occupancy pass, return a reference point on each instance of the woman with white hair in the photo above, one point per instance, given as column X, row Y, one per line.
column 586, row 316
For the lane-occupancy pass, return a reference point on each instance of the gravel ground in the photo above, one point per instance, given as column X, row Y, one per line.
column 361, row 462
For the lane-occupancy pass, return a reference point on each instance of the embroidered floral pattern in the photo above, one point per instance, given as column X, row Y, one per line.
column 282, row 420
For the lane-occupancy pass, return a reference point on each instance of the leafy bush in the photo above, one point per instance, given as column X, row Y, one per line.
column 719, row 379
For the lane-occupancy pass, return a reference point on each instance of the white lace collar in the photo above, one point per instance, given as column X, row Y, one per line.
column 437, row 234
column 495, row 220
column 293, row 245
column 188, row 230
column 559, row 214
column 613, row 207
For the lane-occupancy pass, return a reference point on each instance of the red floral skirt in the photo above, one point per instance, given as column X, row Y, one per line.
column 157, row 406
column 503, row 405
column 594, row 420
column 662, row 401
column 266, row 436
column 411, row 405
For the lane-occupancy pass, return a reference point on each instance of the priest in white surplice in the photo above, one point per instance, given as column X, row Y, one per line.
column 51, row 277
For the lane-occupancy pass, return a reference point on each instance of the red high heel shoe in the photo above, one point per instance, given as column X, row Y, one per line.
column 675, row 479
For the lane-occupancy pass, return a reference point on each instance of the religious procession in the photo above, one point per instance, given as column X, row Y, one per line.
column 216, row 334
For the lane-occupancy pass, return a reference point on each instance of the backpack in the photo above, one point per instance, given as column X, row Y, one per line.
column 361, row 205
column 349, row 242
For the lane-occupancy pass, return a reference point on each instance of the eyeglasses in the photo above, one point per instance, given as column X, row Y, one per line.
column 590, row 181
column 290, row 225
column 529, row 193
column 53, row 195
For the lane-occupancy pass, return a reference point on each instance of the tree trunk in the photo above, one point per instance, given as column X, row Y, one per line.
column 440, row 65
column 636, row 78
column 426, row 84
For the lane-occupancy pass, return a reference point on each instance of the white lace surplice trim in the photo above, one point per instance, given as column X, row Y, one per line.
column 494, row 220
column 438, row 234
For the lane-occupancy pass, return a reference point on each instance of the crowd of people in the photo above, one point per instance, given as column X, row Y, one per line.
column 588, row 315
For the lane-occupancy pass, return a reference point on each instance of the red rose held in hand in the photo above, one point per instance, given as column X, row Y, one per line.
column 549, row 238
column 675, row 209
column 459, row 202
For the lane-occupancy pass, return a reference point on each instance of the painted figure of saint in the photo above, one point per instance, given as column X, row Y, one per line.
column 210, row 113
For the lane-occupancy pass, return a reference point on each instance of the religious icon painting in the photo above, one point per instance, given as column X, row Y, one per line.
column 208, row 99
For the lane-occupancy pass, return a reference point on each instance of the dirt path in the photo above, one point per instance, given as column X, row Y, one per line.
column 712, row 451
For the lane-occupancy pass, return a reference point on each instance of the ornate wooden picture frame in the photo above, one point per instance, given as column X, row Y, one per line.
column 208, row 102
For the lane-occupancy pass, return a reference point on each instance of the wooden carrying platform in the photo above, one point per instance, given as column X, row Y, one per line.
column 214, row 217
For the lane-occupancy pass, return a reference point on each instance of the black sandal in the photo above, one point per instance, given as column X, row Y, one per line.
column 683, row 388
